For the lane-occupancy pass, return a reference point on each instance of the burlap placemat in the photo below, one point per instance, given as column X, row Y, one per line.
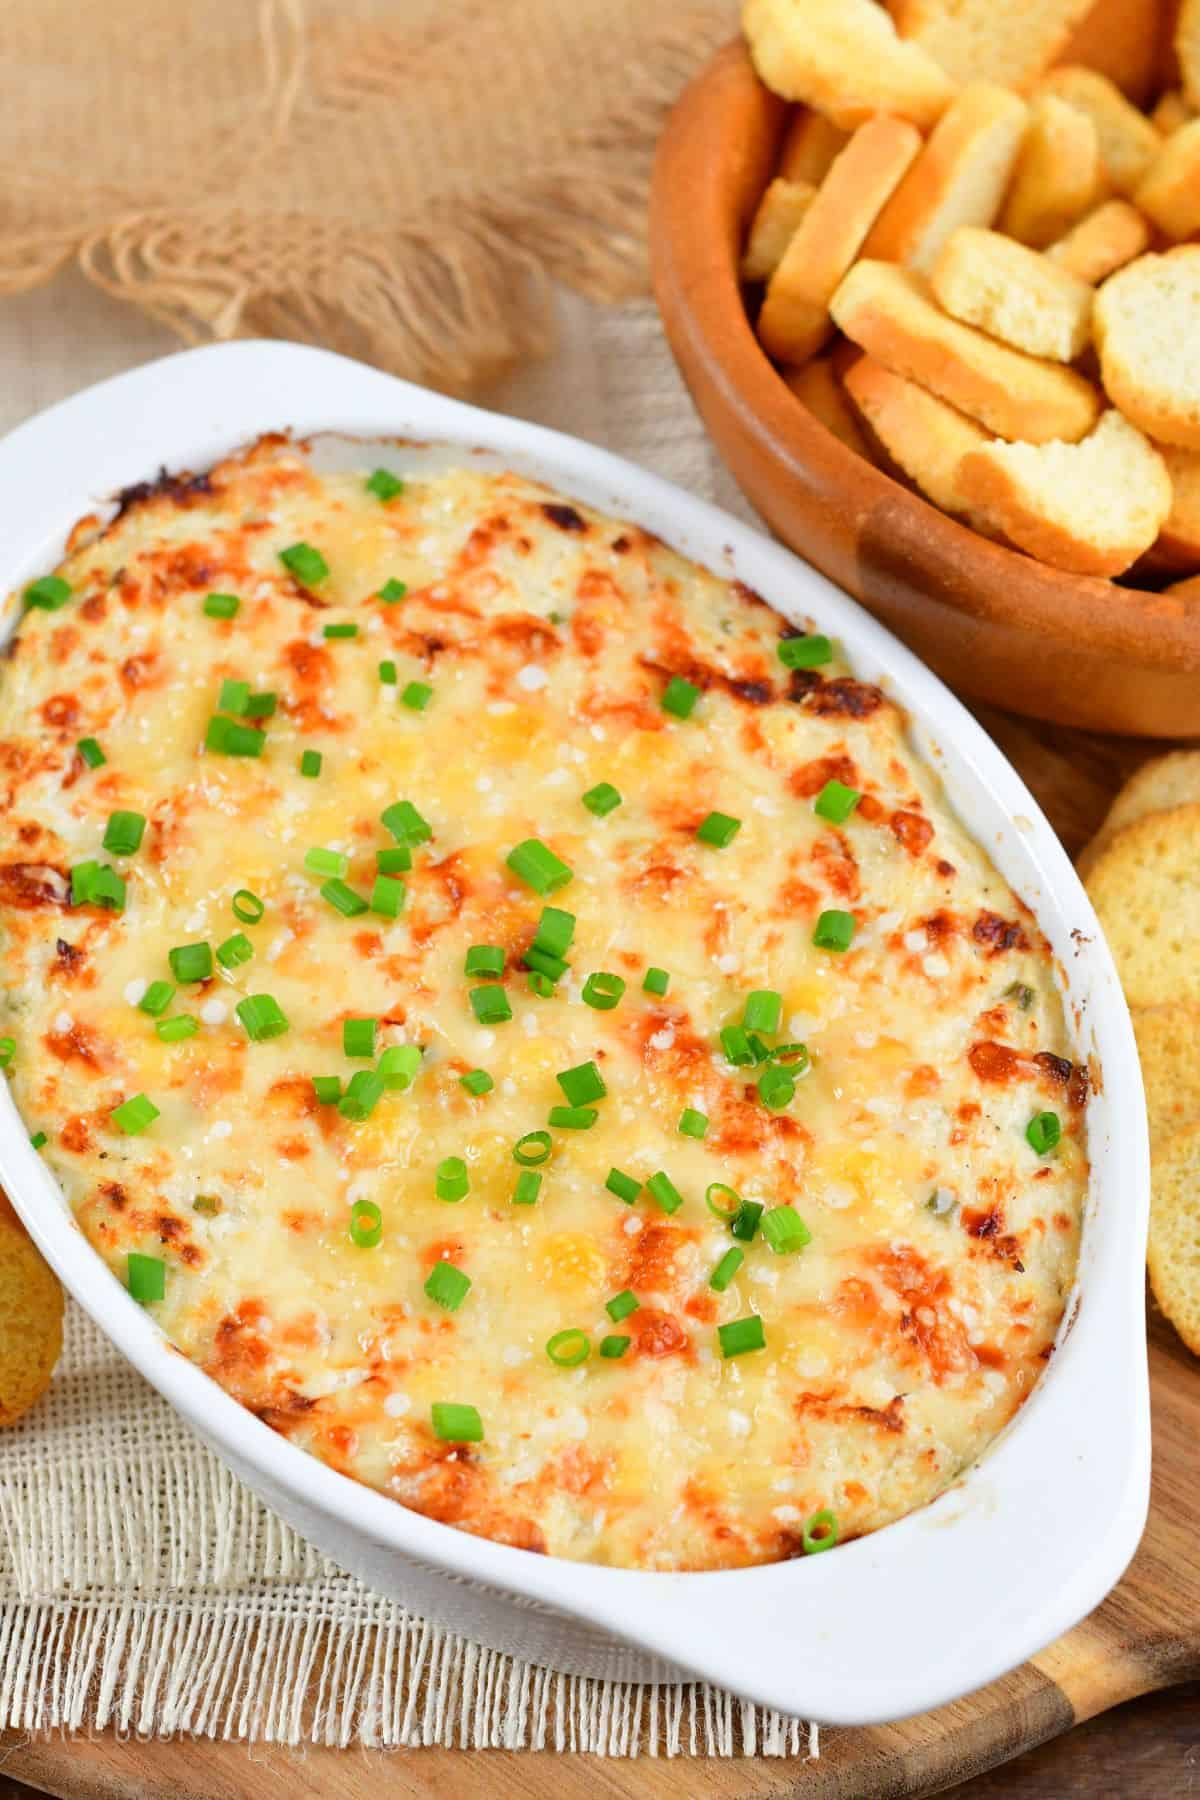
column 400, row 179
column 141, row 1587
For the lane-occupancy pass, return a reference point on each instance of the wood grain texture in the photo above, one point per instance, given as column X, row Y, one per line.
column 994, row 623
column 1145, row 1637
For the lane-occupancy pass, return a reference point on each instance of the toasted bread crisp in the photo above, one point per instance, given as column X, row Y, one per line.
column 958, row 179
column 776, row 222
column 809, row 146
column 888, row 311
column 1170, row 189
column 1103, row 242
column 31, row 1315
column 1173, row 1252
column 1012, row 42
column 843, row 57
column 1123, row 40
column 817, row 387
column 1172, row 112
column 1013, row 293
column 1128, row 141
column 794, row 321
column 1178, row 547
column 1161, row 783
column 1168, row 1040
column 923, row 436
column 1091, row 507
column 1059, row 174
column 1187, row 48
column 1147, row 325
column 1145, row 886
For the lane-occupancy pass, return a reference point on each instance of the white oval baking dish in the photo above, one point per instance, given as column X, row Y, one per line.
column 923, row 1611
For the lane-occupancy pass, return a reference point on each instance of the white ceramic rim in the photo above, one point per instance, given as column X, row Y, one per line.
column 1032, row 1538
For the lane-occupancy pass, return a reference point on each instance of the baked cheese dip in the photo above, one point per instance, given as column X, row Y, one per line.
column 521, row 1016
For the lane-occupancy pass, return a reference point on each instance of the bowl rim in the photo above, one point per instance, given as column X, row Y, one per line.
column 944, row 1600
column 696, row 252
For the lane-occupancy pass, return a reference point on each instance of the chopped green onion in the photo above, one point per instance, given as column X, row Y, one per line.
column 741, row 1335
column 736, row 1045
column 364, row 1091
column 328, row 1089
column 836, row 802
column 835, row 930
column 262, row 1016
column 358, row 1037
column 759, row 1051
column 456, row 1424
column 722, row 1201
column 785, row 1230
column 8, row 1049
column 343, row 899
column 234, row 697
column 145, row 1277
column 174, row 1030
column 541, row 985
column 614, row 1346
column 582, row 1084
column 305, row 563
column 602, row 799
column 555, row 931
column 453, row 1182
column 388, row 896
column 535, row 1148
column 221, row 606
column 416, row 696
column 719, row 830
column 623, row 1186
column 602, row 991
column 366, row 1224
column 484, row 959
column 490, row 1005
column 1021, row 993
column 134, row 1115
column 399, row 1066
column 191, row 962
column 225, row 737
column 1043, row 1132
column 477, row 1082
column 384, row 485
column 157, row 997
column 820, row 1532
column 391, row 591
column 764, row 1010
column 805, row 652
column 573, row 1118
column 526, row 1191
column 726, row 1269
column 207, row 1203
column 394, row 862
column 662, row 1189
column 569, row 1348
column 621, row 1305
column 91, row 752
column 744, row 1224
column 38, row 1139
column 538, row 866
column 679, row 697
column 235, row 951
column 656, row 981
column 387, row 672
column 794, row 1057
column 247, row 907
column 551, row 968
column 340, row 630
column 406, row 824
column 261, row 706
column 326, row 862
column 776, row 1087
column 692, row 1124
column 96, row 884
column 49, row 592
column 310, row 763
column 124, row 832
column 447, row 1286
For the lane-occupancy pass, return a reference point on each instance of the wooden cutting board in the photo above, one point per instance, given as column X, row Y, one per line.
column 1145, row 1636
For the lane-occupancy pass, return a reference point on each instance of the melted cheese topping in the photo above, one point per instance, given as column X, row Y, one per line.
column 897, row 1342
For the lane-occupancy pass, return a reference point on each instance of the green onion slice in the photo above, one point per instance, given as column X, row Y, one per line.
column 91, row 752
column 388, row 896
column 692, row 1124
column 656, row 981
column 805, row 652
column 399, row 1066
column 741, row 1335
column 722, row 1201
column 602, row 799
column 484, row 959
column 477, row 1082
column 614, row 1346
column 1044, row 1132
column 191, row 962
column 573, row 1118
column 602, row 991
column 726, row 1269
column 49, row 592
column 134, row 1115
column 456, row 1424
column 363, row 1093
column 157, row 997
column 235, row 951
column 569, row 1348
column 358, row 1037
column 836, row 802
column 384, row 485
column 718, row 829
column 262, row 1016
column 326, row 862
column 124, row 832
column 416, row 696
column 343, row 899
column 247, row 907
column 535, row 1148
column 820, row 1532
column 662, row 1189
column 453, row 1181
column 221, row 606
column 176, row 1029
column 306, row 564
column 764, row 1010
column 366, row 1224
column 744, row 1224
column 490, row 1005
column 679, row 697
column 536, row 865
column 834, row 930
column 328, row 1089
column 785, row 1230
column 736, row 1045
column 621, row 1305
column 391, row 591
column 447, row 1286
column 145, row 1277
column 310, row 764
column 776, row 1087
column 526, row 1191
column 623, row 1186
column 582, row 1084
column 406, row 824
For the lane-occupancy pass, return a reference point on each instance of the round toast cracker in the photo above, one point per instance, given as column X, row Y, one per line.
column 1161, row 783
column 1145, row 886
column 1168, row 1040
column 31, row 1315
column 1173, row 1254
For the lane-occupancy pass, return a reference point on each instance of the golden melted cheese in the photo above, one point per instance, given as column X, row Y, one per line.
column 897, row 1342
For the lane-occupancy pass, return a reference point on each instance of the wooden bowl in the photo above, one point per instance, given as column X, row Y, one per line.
column 993, row 622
